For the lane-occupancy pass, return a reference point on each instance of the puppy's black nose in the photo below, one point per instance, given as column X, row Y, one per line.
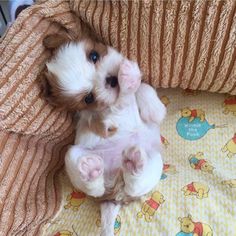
column 112, row 81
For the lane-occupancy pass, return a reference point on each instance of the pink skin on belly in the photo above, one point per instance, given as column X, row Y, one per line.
column 111, row 151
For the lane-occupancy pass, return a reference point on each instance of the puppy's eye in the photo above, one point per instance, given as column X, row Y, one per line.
column 94, row 56
column 89, row 98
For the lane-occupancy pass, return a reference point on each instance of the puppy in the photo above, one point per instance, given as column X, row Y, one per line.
column 116, row 155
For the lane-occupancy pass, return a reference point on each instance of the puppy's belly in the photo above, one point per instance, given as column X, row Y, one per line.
column 111, row 150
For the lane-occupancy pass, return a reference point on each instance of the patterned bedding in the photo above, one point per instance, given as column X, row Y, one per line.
column 197, row 192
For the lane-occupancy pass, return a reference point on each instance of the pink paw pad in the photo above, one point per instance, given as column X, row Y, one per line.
column 129, row 76
column 91, row 167
column 134, row 160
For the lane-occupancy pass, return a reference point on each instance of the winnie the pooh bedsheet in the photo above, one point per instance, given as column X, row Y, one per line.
column 197, row 192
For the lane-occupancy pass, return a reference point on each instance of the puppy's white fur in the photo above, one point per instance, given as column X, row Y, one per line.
column 67, row 67
column 93, row 162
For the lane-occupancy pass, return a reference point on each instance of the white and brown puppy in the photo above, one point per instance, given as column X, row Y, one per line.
column 116, row 155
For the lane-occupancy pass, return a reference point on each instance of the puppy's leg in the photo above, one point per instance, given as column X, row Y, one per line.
column 109, row 211
column 150, row 106
column 141, row 170
column 134, row 159
column 85, row 171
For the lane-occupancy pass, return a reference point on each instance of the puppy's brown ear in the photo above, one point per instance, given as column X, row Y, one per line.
column 54, row 41
column 46, row 88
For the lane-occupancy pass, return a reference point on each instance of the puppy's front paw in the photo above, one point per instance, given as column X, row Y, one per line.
column 134, row 160
column 150, row 106
column 129, row 77
column 91, row 167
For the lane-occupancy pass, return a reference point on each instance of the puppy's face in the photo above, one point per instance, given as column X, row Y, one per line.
column 83, row 75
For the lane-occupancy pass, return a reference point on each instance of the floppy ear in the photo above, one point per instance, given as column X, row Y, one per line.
column 46, row 87
column 52, row 92
column 54, row 41
column 49, row 88
column 189, row 216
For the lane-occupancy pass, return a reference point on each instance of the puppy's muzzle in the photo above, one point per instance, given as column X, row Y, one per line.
column 112, row 81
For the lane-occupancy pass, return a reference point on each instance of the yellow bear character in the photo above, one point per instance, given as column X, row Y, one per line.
column 75, row 200
column 192, row 114
column 190, row 92
column 229, row 105
column 195, row 188
column 198, row 162
column 63, row 233
column 230, row 147
column 168, row 169
column 164, row 141
column 165, row 100
column 231, row 183
column 150, row 206
column 188, row 226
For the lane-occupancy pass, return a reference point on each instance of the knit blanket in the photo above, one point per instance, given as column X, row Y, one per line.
column 187, row 44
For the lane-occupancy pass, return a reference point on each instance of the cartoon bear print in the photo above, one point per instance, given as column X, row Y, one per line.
column 150, row 206
column 229, row 105
column 74, row 200
column 190, row 92
column 193, row 125
column 197, row 162
column 230, row 147
column 164, row 141
column 168, row 169
column 195, row 188
column 192, row 114
column 63, row 233
column 189, row 227
column 231, row 183
column 165, row 100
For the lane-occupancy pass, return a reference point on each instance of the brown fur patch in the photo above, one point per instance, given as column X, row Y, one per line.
column 54, row 41
column 97, row 126
column 91, row 45
column 57, row 97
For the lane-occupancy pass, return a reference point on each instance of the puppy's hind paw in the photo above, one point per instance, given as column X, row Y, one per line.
column 91, row 167
column 134, row 160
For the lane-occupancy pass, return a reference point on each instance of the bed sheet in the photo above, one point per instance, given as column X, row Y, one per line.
column 197, row 192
